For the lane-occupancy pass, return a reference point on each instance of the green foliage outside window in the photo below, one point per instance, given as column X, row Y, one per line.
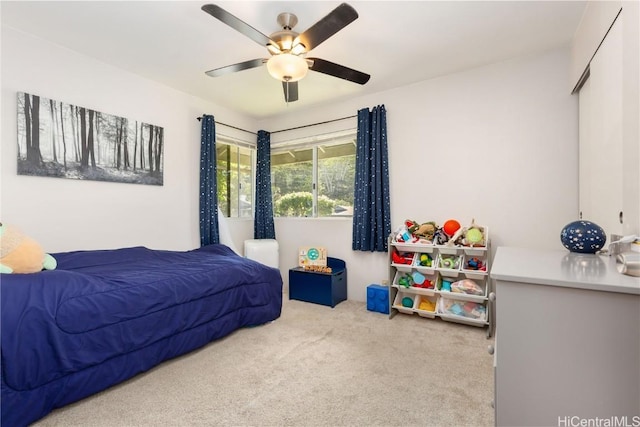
column 292, row 172
column 291, row 178
column 234, row 172
column 300, row 204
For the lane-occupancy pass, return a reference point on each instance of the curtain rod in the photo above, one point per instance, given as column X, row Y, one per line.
column 285, row 130
column 234, row 127
column 314, row 124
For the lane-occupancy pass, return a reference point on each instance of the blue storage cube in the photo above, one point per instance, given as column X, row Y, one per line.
column 378, row 298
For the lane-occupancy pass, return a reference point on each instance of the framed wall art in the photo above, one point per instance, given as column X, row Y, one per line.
column 61, row 140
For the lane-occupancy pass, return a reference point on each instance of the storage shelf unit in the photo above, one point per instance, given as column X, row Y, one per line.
column 449, row 264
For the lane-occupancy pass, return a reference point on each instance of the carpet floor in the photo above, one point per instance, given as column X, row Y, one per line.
column 314, row 366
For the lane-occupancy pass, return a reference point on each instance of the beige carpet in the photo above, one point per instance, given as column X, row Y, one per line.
column 314, row 366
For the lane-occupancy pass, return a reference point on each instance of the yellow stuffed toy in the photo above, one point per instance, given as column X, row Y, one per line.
column 22, row 254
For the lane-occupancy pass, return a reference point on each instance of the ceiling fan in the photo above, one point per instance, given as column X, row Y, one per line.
column 288, row 48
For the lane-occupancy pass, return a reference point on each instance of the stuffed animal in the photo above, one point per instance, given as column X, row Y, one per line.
column 474, row 235
column 411, row 225
column 22, row 254
column 440, row 237
column 426, row 230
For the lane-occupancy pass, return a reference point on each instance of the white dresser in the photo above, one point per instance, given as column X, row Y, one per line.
column 569, row 331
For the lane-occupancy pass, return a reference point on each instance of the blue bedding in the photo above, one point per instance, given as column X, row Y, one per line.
column 104, row 316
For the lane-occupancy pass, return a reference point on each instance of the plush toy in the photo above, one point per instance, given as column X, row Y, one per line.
column 22, row 254
column 474, row 235
column 426, row 230
column 440, row 237
column 411, row 225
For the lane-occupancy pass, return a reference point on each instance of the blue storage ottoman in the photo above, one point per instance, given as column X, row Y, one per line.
column 320, row 288
column 378, row 298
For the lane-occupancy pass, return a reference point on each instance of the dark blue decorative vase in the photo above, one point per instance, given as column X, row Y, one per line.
column 584, row 237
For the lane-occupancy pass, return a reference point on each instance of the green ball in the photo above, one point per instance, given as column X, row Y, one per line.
column 474, row 236
column 407, row 302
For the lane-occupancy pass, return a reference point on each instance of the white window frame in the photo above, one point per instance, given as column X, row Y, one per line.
column 312, row 143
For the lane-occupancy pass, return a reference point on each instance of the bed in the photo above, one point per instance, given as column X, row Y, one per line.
column 104, row 316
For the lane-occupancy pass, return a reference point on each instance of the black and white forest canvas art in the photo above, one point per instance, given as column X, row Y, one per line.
column 66, row 141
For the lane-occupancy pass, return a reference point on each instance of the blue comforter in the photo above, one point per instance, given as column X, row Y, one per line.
column 104, row 316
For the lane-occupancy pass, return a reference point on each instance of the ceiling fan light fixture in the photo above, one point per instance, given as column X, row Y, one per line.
column 298, row 49
column 273, row 49
column 287, row 67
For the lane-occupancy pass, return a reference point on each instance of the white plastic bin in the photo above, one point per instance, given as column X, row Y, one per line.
column 265, row 251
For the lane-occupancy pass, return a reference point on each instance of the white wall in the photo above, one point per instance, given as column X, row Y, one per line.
column 65, row 214
column 497, row 143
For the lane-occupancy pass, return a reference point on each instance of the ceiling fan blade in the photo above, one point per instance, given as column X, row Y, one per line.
column 238, row 25
column 336, row 20
column 290, row 91
column 235, row 67
column 336, row 70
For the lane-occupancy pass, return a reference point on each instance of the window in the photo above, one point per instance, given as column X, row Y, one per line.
column 234, row 161
column 314, row 177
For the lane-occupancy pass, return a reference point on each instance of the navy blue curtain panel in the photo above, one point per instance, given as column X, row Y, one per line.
column 371, row 207
column 263, row 227
column 209, row 232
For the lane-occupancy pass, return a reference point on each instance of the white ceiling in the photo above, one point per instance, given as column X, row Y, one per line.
column 396, row 42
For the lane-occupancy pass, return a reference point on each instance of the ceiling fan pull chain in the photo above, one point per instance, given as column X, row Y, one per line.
column 286, row 98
